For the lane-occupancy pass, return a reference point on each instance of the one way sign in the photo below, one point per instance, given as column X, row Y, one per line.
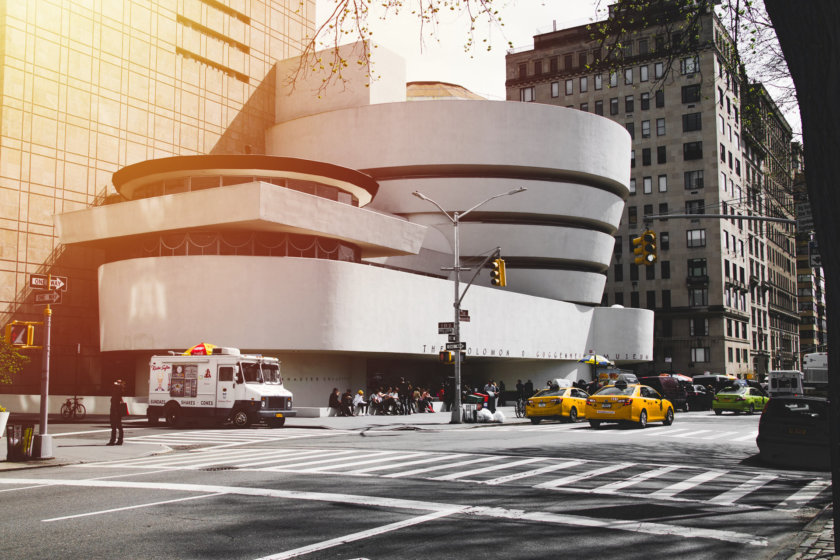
column 48, row 298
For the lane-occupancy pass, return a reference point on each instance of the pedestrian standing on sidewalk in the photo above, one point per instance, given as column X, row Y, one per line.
column 116, row 413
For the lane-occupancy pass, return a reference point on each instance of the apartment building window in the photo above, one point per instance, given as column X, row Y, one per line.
column 584, row 84
column 644, row 99
column 555, row 89
column 664, row 240
column 632, row 158
column 736, row 115
column 691, row 94
column 723, row 153
column 663, row 183
column 628, row 104
column 643, row 73
column 695, row 207
column 619, row 298
column 645, row 129
column 650, row 273
column 647, row 185
column 689, row 65
column 645, row 156
column 632, row 187
column 648, row 210
column 523, row 70
column 665, row 269
column 729, row 353
column 692, row 150
column 695, row 238
column 526, row 94
column 617, row 248
column 613, row 105
column 658, row 70
column 554, row 64
column 693, row 179
column 582, row 60
column 721, row 96
column 643, row 46
column 738, row 167
column 660, row 98
column 584, row 107
column 599, row 82
column 631, row 128
column 599, row 107
column 698, row 297
column 634, row 300
column 700, row 355
column 722, row 123
column 692, row 122
column 567, row 62
column 618, row 272
column 632, row 218
column 660, row 127
column 663, row 208
column 570, row 87
column 650, row 297
column 537, row 67
column 628, row 76
column 698, row 326
column 666, row 304
column 696, row 268
column 661, row 154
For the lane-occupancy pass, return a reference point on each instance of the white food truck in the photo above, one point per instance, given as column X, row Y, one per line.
column 220, row 386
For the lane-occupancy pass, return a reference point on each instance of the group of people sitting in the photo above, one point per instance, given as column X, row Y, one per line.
column 382, row 401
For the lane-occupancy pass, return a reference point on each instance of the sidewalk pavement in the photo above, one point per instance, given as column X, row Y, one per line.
column 815, row 541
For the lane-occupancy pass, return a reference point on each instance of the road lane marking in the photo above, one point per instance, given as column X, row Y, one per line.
column 440, row 467
column 372, row 457
column 734, row 494
column 535, row 472
column 583, row 476
column 751, row 435
column 641, row 477
column 404, row 464
column 455, row 476
column 138, row 506
column 404, row 504
column 683, row 485
column 358, row 536
column 804, row 495
column 718, row 435
column 690, row 434
column 668, row 433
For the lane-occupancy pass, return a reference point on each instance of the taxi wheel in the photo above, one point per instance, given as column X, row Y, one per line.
column 643, row 419
column 595, row 424
column 718, row 412
column 669, row 418
column 751, row 409
column 573, row 415
column 536, row 420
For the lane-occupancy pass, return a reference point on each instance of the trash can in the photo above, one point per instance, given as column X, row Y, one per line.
column 20, row 440
column 475, row 398
column 468, row 413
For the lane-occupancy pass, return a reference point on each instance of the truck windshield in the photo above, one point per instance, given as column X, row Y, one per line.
column 271, row 373
column 251, row 372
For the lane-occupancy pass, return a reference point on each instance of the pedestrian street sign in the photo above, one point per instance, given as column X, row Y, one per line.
column 456, row 345
column 39, row 282
column 52, row 297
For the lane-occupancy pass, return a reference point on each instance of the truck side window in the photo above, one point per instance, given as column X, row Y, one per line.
column 225, row 373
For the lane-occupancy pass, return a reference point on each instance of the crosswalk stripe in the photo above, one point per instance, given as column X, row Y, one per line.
column 670, row 432
column 534, row 472
column 376, row 458
column 556, row 483
column 440, row 467
column 684, row 485
column 335, row 455
column 283, row 456
column 733, row 495
column 636, row 479
column 462, row 474
column 751, row 435
column 403, row 464
column 804, row 495
column 689, row 434
column 719, row 435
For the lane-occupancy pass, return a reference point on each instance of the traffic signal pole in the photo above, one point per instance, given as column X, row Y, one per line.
column 43, row 441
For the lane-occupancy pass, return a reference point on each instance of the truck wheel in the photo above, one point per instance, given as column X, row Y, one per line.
column 152, row 417
column 172, row 413
column 276, row 422
column 240, row 418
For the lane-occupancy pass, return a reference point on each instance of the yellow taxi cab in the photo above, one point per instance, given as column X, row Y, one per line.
column 622, row 402
column 561, row 401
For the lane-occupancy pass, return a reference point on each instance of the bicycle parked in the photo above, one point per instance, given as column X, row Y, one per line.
column 73, row 408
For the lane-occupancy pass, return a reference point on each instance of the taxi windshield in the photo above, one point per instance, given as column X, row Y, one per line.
column 733, row 390
column 251, row 372
column 615, row 390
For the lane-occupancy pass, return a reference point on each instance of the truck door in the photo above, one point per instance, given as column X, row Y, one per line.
column 225, row 394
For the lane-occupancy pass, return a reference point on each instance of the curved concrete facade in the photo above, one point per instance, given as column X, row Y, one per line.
column 556, row 237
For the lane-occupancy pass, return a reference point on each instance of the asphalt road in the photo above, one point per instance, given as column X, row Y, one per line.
column 693, row 490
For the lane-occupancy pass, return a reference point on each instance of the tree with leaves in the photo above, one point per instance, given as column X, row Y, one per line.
column 11, row 362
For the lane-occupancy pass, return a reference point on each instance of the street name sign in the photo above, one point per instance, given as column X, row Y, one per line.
column 446, row 331
column 39, row 281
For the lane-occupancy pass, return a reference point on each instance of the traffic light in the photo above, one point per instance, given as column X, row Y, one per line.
column 644, row 247
column 447, row 357
column 20, row 334
column 497, row 273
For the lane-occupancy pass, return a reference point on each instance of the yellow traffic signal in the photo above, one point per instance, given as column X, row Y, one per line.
column 497, row 273
column 644, row 247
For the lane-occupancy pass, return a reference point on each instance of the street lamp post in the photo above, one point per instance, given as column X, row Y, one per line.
column 455, row 218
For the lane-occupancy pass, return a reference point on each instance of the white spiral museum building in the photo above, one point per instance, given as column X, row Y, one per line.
column 316, row 251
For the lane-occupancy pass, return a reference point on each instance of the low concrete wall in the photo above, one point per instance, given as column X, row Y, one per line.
column 31, row 404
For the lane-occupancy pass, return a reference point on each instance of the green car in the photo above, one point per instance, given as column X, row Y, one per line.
column 740, row 399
